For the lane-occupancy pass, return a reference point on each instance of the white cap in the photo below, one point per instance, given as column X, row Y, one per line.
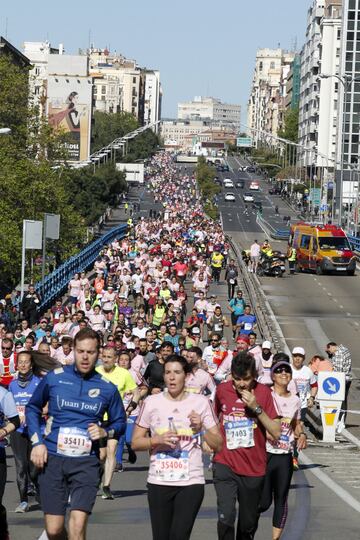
column 130, row 345
column 266, row 345
column 298, row 350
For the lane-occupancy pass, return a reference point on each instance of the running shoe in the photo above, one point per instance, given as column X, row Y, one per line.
column 106, row 493
column 22, row 508
column 132, row 456
column 119, row 467
column 295, row 464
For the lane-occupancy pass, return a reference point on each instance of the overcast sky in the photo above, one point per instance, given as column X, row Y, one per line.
column 201, row 47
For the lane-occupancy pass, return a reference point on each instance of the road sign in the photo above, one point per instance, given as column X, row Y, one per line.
column 315, row 196
column 331, row 386
column 244, row 142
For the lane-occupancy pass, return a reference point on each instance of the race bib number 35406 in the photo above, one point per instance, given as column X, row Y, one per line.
column 172, row 466
column 73, row 442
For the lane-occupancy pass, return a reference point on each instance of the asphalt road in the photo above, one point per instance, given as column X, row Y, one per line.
column 311, row 511
column 311, row 310
column 307, row 315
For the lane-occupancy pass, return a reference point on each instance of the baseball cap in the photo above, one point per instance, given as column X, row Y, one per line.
column 130, row 345
column 266, row 345
column 298, row 350
column 243, row 338
column 195, row 330
column 43, row 320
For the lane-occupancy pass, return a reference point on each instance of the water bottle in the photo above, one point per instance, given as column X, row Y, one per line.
column 171, row 426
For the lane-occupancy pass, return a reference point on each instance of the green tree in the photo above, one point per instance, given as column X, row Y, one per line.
column 110, row 126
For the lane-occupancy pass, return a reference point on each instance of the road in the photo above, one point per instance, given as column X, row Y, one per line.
column 311, row 310
column 306, row 313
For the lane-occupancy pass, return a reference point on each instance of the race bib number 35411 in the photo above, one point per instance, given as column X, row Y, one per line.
column 73, row 442
column 239, row 434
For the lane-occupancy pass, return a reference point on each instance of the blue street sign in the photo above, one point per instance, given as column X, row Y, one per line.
column 331, row 385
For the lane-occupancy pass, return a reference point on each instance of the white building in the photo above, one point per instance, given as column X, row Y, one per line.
column 152, row 96
column 38, row 53
column 330, row 27
column 268, row 91
column 208, row 108
column 309, row 85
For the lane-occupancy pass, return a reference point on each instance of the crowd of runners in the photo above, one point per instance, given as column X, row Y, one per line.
column 141, row 355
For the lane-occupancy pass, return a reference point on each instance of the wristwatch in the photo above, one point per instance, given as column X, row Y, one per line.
column 258, row 410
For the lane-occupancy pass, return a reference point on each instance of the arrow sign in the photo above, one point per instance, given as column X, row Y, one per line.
column 331, row 385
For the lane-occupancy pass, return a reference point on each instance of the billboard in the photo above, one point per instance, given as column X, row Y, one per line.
column 69, row 110
column 244, row 142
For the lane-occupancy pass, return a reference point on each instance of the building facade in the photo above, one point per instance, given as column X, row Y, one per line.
column 293, row 84
column 268, row 92
column 208, row 108
column 121, row 85
column 309, row 85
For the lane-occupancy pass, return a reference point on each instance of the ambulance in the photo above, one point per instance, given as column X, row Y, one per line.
column 322, row 249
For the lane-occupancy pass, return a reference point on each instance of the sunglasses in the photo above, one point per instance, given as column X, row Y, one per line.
column 6, row 348
column 215, row 341
column 282, row 369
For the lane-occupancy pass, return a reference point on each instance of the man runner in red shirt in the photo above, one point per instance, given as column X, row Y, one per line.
column 246, row 412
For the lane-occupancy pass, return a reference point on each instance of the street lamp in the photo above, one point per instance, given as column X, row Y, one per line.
column 5, row 131
column 346, row 80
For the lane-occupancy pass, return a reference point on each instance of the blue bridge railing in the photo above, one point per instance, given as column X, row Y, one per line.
column 354, row 242
column 56, row 283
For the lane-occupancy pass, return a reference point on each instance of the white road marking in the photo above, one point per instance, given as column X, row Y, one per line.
column 335, row 299
column 329, row 294
column 336, row 488
column 348, row 314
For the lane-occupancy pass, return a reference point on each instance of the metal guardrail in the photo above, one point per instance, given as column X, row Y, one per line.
column 55, row 283
column 276, row 234
column 266, row 325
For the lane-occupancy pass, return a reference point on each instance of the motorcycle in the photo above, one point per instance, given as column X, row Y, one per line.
column 273, row 266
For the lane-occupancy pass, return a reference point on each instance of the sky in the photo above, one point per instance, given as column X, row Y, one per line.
column 201, row 47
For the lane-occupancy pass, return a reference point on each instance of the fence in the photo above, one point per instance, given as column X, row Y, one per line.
column 276, row 234
column 56, row 283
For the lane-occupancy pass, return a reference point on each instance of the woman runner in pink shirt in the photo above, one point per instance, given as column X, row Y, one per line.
column 170, row 425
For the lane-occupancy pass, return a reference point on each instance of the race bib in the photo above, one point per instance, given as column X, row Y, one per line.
column 73, row 442
column 21, row 412
column 172, row 466
column 247, row 326
column 232, row 281
column 239, row 434
column 193, row 389
column 218, row 327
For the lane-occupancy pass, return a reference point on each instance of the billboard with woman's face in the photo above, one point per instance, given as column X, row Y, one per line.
column 69, row 110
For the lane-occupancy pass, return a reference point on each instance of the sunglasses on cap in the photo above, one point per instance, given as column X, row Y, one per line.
column 282, row 369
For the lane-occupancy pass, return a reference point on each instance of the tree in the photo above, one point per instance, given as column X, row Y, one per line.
column 291, row 126
column 110, row 126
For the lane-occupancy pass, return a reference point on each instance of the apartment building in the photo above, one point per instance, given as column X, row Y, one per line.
column 209, row 108
column 268, row 92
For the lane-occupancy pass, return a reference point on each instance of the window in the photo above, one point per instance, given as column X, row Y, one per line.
column 134, row 80
column 272, row 65
column 103, row 89
column 260, row 66
column 305, row 241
